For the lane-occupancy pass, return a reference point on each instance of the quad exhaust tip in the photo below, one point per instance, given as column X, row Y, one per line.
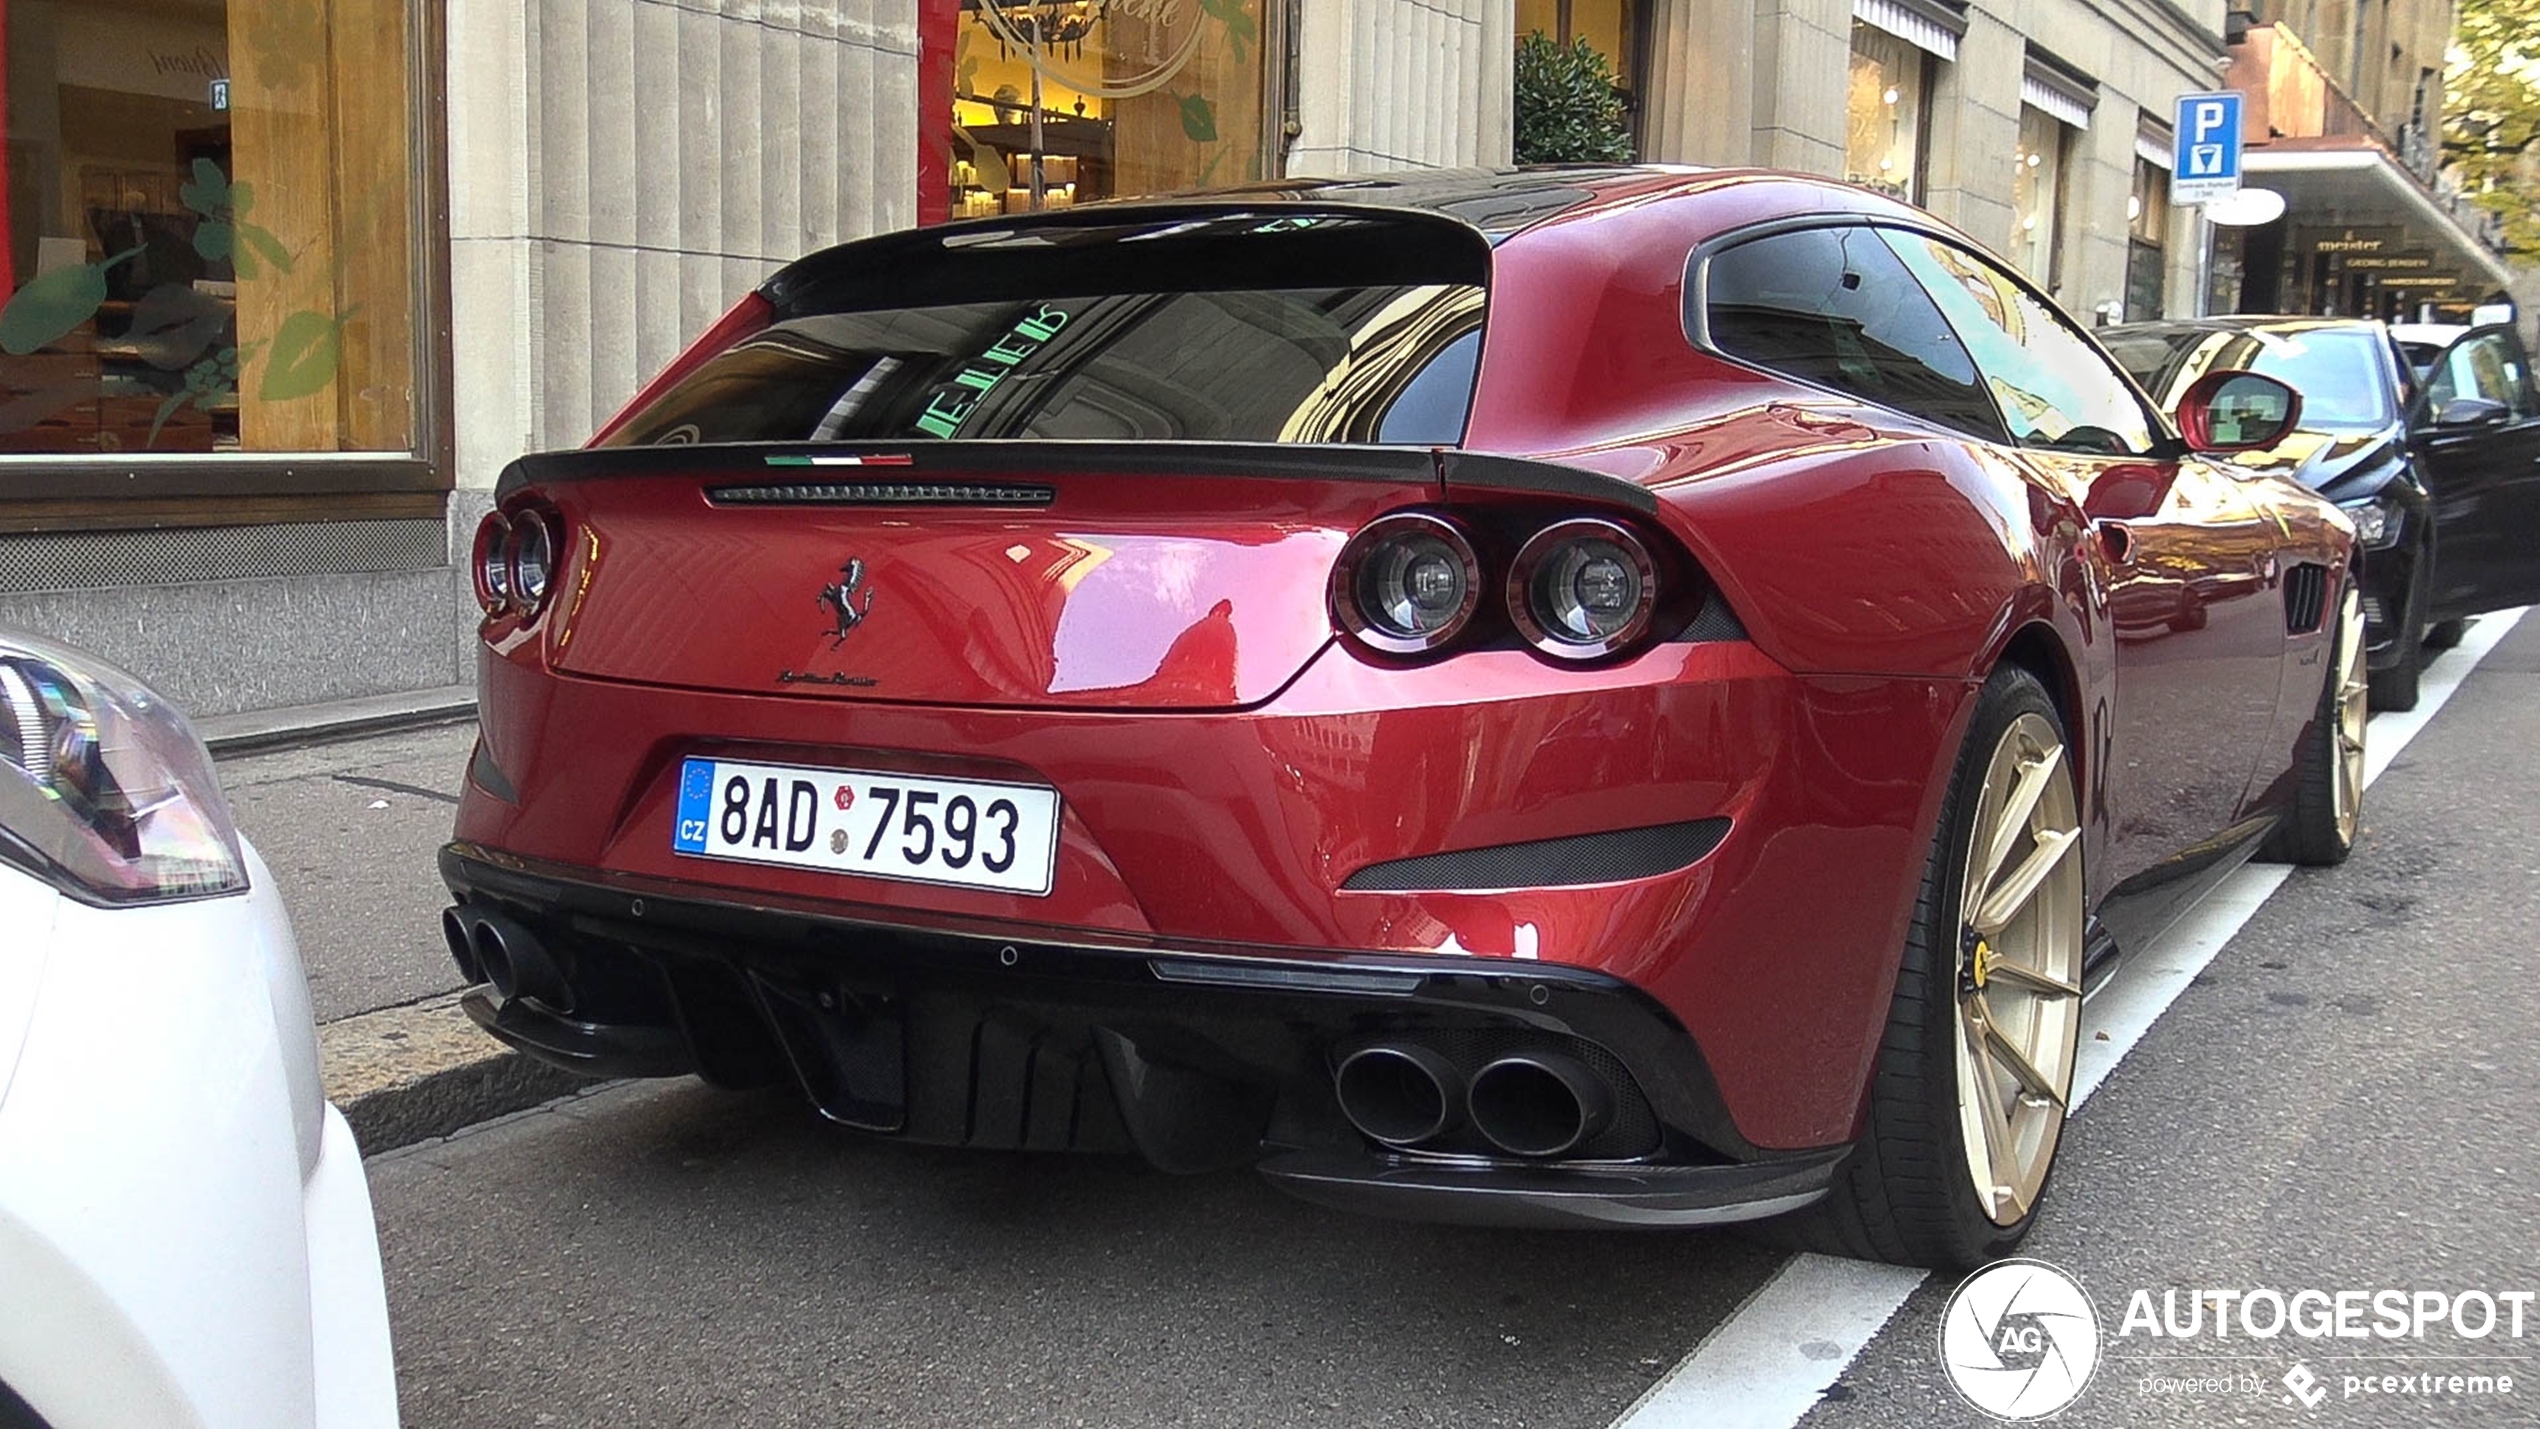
column 1539, row 1104
column 454, row 932
column 511, row 958
column 1399, row 1094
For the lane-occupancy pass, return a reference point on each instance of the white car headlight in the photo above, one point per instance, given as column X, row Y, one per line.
column 105, row 791
column 2375, row 524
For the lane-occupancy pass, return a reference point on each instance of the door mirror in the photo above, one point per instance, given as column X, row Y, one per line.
column 2472, row 412
column 2231, row 411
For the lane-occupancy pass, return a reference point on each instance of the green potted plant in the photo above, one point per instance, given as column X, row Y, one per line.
column 1568, row 111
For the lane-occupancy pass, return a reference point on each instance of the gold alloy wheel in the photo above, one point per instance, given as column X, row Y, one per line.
column 2354, row 695
column 2019, row 967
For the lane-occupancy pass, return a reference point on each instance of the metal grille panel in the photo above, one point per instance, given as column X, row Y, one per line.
column 82, row 560
column 2305, row 598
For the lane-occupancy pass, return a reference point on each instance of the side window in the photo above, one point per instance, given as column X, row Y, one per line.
column 2469, row 368
column 2491, row 366
column 2442, row 381
column 2053, row 387
column 1833, row 306
column 2518, row 380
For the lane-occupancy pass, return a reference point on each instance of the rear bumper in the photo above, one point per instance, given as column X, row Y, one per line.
column 1196, row 1061
column 1310, row 824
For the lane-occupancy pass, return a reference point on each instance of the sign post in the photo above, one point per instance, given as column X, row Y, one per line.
column 2204, row 166
column 2205, row 147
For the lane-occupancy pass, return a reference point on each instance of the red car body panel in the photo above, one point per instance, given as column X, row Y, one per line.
column 1746, row 947
column 1158, row 650
column 1212, row 598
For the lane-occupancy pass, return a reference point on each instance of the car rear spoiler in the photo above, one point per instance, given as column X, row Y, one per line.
column 1456, row 472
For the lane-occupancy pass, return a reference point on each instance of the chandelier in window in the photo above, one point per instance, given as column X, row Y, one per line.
column 1049, row 35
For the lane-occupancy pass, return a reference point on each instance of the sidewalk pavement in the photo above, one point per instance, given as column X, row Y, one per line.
column 351, row 830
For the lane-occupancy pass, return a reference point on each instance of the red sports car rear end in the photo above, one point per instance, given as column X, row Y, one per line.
column 1353, row 687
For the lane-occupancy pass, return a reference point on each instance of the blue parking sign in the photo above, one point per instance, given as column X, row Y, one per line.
column 2205, row 147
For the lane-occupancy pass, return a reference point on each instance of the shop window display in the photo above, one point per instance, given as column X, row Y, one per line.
column 2037, row 195
column 1883, row 114
column 207, row 227
column 1611, row 28
column 1056, row 102
column 2147, row 238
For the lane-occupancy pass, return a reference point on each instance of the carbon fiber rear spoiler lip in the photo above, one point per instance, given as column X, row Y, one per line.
column 1453, row 472
column 1465, row 472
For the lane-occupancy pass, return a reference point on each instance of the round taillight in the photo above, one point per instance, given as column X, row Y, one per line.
column 492, row 561
column 1407, row 584
column 533, row 560
column 1582, row 589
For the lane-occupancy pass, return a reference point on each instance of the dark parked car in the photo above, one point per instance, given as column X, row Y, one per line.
column 2429, row 437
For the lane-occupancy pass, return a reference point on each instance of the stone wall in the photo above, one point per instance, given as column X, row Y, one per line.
column 1394, row 84
column 621, row 171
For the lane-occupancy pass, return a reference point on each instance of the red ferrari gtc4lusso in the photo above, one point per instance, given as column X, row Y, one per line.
column 1612, row 696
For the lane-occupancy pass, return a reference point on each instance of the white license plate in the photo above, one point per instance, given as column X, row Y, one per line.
column 959, row 831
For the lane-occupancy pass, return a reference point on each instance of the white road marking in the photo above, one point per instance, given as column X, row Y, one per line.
column 1768, row 1363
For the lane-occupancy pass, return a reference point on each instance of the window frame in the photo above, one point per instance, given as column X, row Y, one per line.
column 2166, row 444
column 46, row 492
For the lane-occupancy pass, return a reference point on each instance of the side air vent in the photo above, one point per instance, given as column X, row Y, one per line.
column 1548, row 863
column 880, row 493
column 2305, row 598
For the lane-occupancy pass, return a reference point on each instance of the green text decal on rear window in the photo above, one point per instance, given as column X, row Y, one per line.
column 953, row 401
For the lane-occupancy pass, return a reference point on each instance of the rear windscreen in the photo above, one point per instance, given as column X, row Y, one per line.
column 1151, row 337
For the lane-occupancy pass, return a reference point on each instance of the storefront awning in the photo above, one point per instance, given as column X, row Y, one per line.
column 1927, row 25
column 2351, row 186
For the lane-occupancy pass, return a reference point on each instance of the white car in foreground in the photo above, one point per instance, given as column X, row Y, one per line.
column 185, row 1226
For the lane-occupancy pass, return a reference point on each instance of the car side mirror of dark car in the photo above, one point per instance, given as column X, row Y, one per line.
column 2472, row 412
column 2235, row 411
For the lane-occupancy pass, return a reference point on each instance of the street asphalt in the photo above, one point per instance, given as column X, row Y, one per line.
column 2344, row 1099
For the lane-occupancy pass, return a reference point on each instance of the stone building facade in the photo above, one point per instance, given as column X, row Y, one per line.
column 292, row 280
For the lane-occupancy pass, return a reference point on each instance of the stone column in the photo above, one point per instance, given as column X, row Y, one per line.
column 1398, row 84
column 1702, row 69
column 1803, row 56
column 2099, row 178
column 1975, row 130
column 622, row 171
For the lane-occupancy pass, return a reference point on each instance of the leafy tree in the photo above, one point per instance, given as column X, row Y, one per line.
column 1567, row 109
column 2491, row 127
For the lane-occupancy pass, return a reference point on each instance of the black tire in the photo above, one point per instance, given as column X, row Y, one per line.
column 2396, row 688
column 1904, row 1195
column 2445, row 634
column 2310, row 834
